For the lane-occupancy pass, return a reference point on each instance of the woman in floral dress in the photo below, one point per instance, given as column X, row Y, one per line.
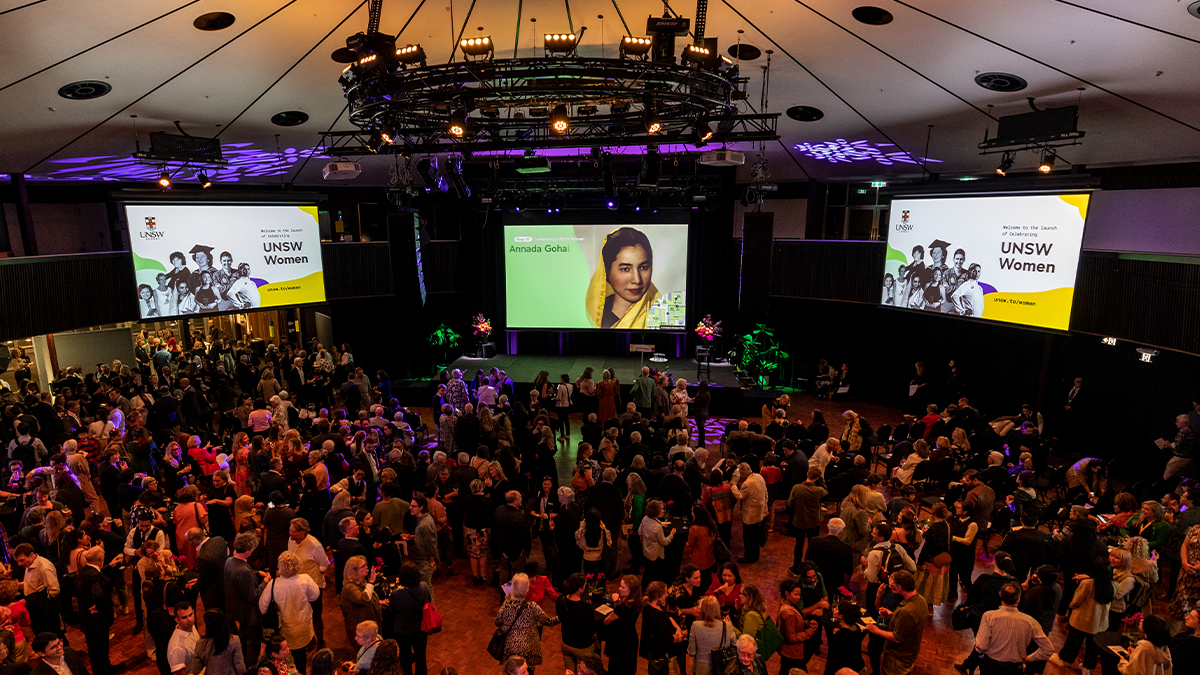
column 1187, row 594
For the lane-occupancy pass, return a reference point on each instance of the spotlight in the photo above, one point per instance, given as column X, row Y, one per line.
column 619, row 107
column 651, row 120
column 164, row 179
column 703, row 130
column 1006, row 164
column 489, row 111
column 559, row 119
column 1047, row 164
column 477, row 46
column 539, row 112
column 458, row 123
column 635, row 46
column 587, row 110
column 612, row 205
column 701, row 56
column 561, row 43
column 388, row 134
column 411, row 54
column 204, row 181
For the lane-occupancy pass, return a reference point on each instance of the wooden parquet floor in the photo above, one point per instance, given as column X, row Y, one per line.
column 468, row 610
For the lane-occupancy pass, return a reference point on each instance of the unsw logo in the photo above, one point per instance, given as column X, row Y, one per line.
column 151, row 232
column 903, row 225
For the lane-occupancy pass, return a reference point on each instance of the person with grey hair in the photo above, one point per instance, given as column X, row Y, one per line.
column 606, row 497
column 570, row 556
column 511, row 538
column 749, row 662
column 243, row 587
column 835, row 558
column 1183, row 448
column 523, row 621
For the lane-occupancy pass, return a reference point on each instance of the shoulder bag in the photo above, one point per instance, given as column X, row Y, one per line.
column 769, row 638
column 270, row 620
column 943, row 559
column 199, row 522
column 431, row 620
column 500, row 637
column 724, row 655
column 720, row 549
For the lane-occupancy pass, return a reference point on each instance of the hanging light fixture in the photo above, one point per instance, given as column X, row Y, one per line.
column 559, row 119
column 164, row 179
column 1005, row 164
column 204, row 181
column 652, row 121
column 1047, row 164
column 458, row 123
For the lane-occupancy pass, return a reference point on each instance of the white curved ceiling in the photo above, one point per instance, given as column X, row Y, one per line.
column 936, row 49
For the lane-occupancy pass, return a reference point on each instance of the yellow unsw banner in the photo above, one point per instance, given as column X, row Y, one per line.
column 1047, row 309
column 295, row 292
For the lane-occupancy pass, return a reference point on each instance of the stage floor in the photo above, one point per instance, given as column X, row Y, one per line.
column 524, row 368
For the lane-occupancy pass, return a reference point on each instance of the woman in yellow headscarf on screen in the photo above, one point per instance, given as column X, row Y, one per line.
column 621, row 290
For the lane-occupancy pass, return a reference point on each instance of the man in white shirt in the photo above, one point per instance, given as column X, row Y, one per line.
column 40, row 576
column 182, row 647
column 313, row 562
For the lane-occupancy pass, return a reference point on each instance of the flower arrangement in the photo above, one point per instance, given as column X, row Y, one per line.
column 1132, row 628
column 481, row 325
column 707, row 329
column 845, row 593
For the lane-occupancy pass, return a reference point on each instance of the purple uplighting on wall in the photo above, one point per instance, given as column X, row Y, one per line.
column 841, row 150
column 244, row 161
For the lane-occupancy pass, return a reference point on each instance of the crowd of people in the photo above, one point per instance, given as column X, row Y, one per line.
column 198, row 484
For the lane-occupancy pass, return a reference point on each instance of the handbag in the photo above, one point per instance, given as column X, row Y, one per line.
column 940, row 560
column 500, row 636
column 769, row 637
column 960, row 619
column 720, row 550
column 659, row 666
column 724, row 656
column 270, row 620
column 431, row 620
column 200, row 523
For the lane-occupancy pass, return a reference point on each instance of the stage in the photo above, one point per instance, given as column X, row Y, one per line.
column 523, row 369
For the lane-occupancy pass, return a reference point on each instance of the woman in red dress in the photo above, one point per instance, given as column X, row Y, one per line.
column 606, row 392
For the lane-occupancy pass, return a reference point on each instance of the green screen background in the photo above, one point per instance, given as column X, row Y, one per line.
column 546, row 290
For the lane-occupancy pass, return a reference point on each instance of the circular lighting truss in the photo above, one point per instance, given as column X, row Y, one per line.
column 507, row 104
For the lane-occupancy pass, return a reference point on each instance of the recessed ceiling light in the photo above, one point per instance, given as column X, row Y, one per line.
column 872, row 16
column 84, row 90
column 344, row 55
column 1194, row 9
column 214, row 21
column 805, row 113
column 744, row 52
column 1001, row 82
column 289, row 118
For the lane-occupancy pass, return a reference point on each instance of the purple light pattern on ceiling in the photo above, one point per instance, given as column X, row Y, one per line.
column 244, row 161
column 841, row 150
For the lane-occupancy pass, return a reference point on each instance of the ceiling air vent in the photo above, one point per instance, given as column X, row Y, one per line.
column 1001, row 82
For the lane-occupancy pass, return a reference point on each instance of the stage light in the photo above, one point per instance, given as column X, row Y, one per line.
column 559, row 119
column 701, row 56
column 703, row 132
column 1110, row 341
column 1047, row 164
column 1006, row 164
column 477, row 46
column 204, row 181
column 411, row 54
column 164, row 179
column 587, row 110
column 388, row 134
column 458, row 123
column 619, row 107
column 539, row 112
column 489, row 111
column 651, row 120
column 560, row 43
column 635, row 46
column 612, row 205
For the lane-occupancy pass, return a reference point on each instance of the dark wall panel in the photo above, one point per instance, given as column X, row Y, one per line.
column 357, row 270
column 1147, row 301
column 850, row 271
column 53, row 293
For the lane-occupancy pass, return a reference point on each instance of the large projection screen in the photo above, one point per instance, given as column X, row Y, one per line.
column 1000, row 258
column 555, row 276
column 202, row 259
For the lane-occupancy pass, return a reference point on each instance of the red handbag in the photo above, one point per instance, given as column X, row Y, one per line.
column 431, row 621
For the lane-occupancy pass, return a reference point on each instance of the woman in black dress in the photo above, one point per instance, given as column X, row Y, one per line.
column 659, row 630
column 314, row 503
column 818, row 431
column 845, row 640
column 620, row 627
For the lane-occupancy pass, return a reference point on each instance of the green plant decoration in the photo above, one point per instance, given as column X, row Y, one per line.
column 443, row 339
column 758, row 353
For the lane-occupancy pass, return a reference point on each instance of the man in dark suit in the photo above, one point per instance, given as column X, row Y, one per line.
column 348, row 547
column 242, row 587
column 56, row 656
column 277, row 521
column 95, row 592
column 833, row 557
column 209, row 583
column 794, row 466
column 1028, row 545
column 510, row 536
column 634, row 448
column 271, row 481
column 49, row 423
column 674, row 491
